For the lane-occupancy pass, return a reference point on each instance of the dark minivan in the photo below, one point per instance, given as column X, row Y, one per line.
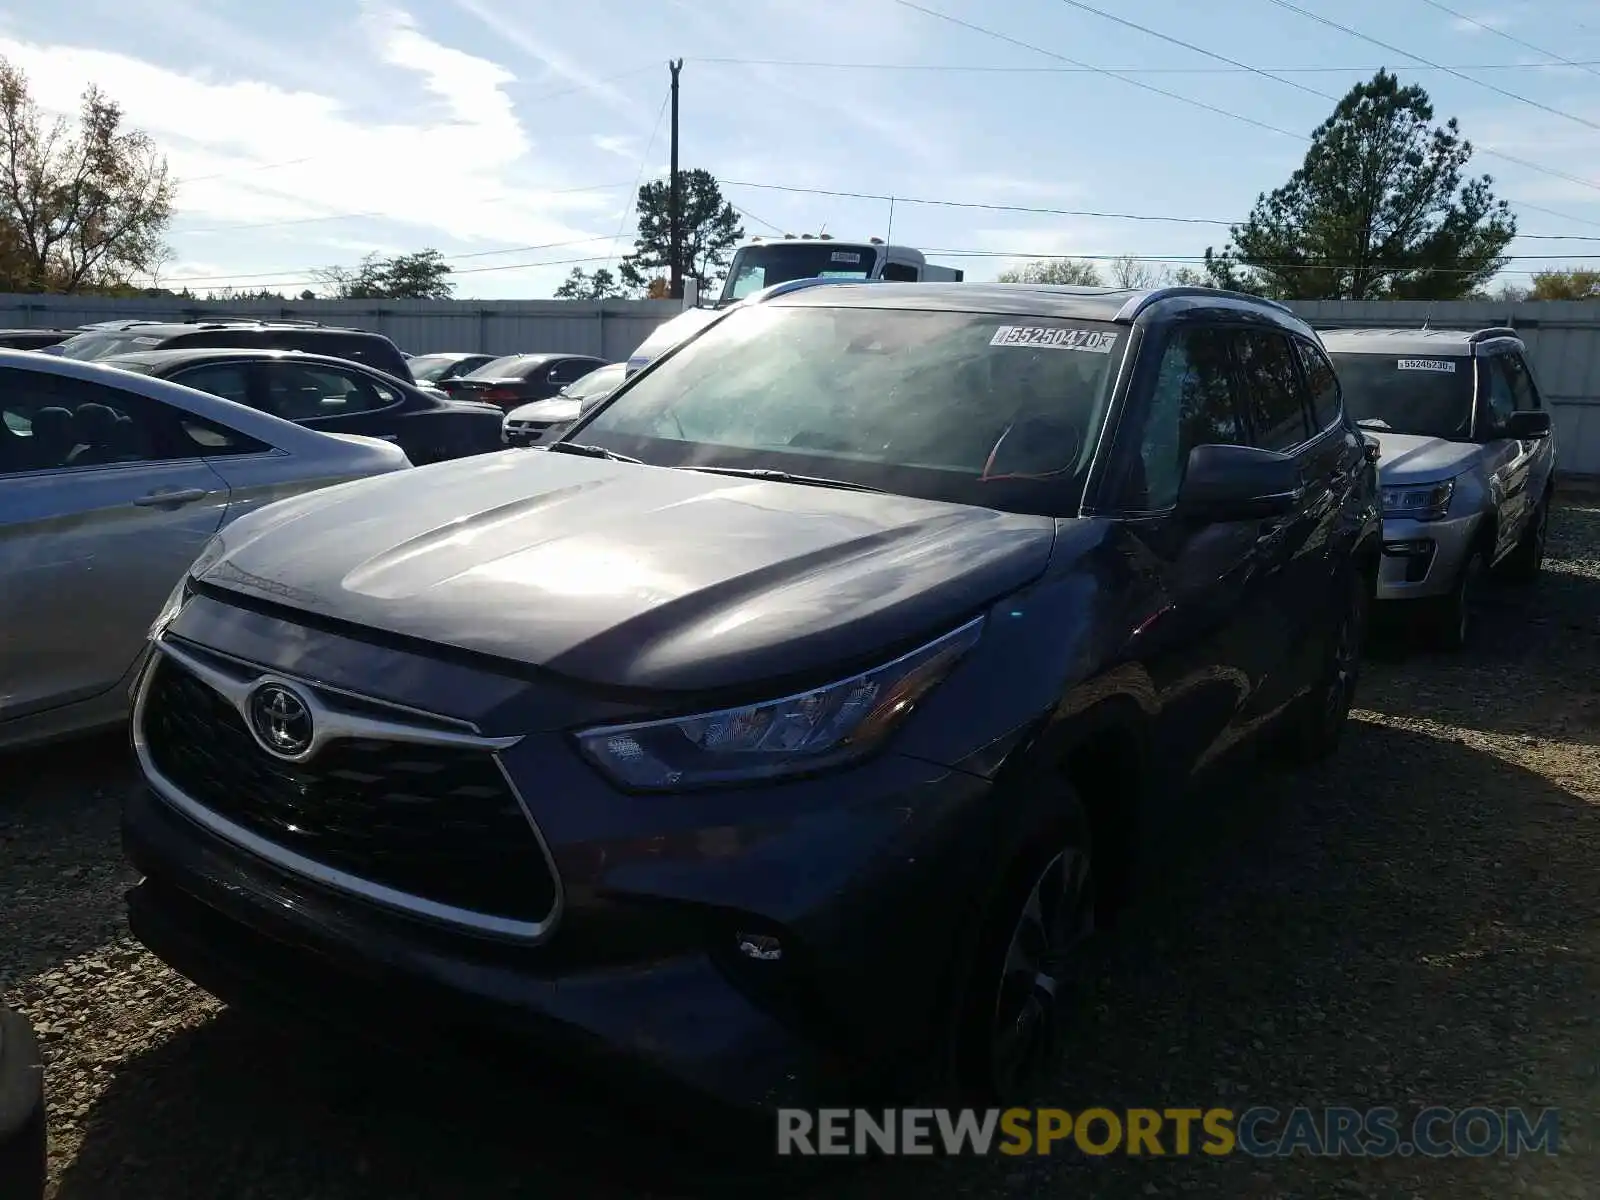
column 133, row 337
column 785, row 727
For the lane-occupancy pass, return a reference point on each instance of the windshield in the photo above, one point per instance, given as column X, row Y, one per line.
column 596, row 383
column 757, row 267
column 1429, row 397
column 498, row 368
column 427, row 368
column 87, row 346
column 1000, row 411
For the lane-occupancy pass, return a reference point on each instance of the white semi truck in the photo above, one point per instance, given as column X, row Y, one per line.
column 762, row 263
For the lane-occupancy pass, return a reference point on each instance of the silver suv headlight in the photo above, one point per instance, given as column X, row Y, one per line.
column 824, row 727
column 1423, row 502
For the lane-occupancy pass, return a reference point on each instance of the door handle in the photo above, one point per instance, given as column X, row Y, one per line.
column 172, row 496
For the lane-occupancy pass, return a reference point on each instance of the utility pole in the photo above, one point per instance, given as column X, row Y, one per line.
column 675, row 212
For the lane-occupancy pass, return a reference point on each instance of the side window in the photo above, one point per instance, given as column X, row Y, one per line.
column 570, row 370
column 49, row 422
column 1499, row 400
column 1272, row 385
column 227, row 380
column 1523, row 394
column 899, row 273
column 297, row 392
column 1323, row 384
column 1193, row 404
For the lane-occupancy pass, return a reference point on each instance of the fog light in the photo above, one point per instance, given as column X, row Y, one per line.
column 762, row 947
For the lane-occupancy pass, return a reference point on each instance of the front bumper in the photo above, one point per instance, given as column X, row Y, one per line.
column 865, row 877
column 1423, row 559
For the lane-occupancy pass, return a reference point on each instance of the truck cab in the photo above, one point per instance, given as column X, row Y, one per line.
column 762, row 262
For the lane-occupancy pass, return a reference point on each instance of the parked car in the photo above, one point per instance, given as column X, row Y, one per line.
column 133, row 337
column 519, row 379
column 110, row 485
column 786, row 723
column 1468, row 463
column 543, row 420
column 435, row 368
column 32, row 339
column 330, row 394
column 22, row 1111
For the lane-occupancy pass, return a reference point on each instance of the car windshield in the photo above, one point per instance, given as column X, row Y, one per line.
column 972, row 408
column 426, row 368
column 757, row 267
column 1428, row 397
column 499, row 368
column 88, row 346
column 596, row 383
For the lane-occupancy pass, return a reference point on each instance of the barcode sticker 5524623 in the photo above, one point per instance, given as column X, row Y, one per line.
column 1039, row 337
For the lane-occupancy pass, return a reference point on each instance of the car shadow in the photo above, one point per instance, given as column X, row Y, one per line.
column 1410, row 923
column 1532, row 668
column 59, row 808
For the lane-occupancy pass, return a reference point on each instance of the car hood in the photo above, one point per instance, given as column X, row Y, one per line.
column 1404, row 458
column 547, row 412
column 632, row 576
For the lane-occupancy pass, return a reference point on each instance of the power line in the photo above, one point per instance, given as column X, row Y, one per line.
column 968, row 68
column 1067, row 212
column 644, row 162
column 351, row 216
column 1522, row 162
column 1514, row 40
column 1345, row 29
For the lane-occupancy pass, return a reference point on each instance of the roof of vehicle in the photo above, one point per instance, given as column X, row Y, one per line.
column 453, row 355
column 177, row 354
column 1039, row 299
column 170, row 328
column 1419, row 342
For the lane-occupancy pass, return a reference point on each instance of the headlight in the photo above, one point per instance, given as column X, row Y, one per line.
column 1427, row 502
column 820, row 728
column 170, row 610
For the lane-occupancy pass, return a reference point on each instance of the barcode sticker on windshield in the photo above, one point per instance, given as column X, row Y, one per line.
column 1442, row 365
column 844, row 256
column 1091, row 341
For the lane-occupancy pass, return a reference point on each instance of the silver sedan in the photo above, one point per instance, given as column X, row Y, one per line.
column 111, row 484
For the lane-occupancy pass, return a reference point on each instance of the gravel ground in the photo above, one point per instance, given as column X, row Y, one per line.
column 1417, row 922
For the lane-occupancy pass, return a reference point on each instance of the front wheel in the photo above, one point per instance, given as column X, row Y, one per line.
column 1316, row 722
column 1011, row 1028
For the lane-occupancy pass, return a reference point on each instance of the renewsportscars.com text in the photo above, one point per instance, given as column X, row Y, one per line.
column 1258, row 1132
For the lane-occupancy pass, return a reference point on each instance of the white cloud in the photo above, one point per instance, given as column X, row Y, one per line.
column 556, row 63
column 315, row 159
column 618, row 144
column 1476, row 24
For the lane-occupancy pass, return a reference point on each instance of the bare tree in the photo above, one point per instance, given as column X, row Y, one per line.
column 1066, row 271
column 1135, row 274
column 82, row 205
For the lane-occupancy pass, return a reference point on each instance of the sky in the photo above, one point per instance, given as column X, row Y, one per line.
column 510, row 134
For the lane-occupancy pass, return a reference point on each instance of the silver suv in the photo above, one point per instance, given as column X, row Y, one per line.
column 1467, row 462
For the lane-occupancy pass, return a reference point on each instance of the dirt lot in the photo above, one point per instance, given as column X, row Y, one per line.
column 1416, row 923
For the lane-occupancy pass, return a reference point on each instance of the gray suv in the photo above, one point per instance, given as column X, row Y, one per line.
column 1467, row 462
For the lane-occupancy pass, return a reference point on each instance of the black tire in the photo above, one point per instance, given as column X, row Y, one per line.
column 1021, row 979
column 22, row 1112
column 1315, row 724
column 1448, row 620
column 1525, row 562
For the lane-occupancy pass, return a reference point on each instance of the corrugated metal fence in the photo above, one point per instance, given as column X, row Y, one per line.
column 611, row 329
column 1563, row 337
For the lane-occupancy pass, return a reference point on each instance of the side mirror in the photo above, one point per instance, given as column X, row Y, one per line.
column 1528, row 426
column 1239, row 483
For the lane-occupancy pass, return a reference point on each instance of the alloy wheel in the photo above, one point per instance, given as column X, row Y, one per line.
column 1058, row 915
column 1346, row 663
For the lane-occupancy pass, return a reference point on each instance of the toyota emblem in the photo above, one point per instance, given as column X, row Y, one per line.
column 281, row 720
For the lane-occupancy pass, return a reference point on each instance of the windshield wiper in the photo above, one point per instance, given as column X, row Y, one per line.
column 785, row 477
column 584, row 450
column 1375, row 423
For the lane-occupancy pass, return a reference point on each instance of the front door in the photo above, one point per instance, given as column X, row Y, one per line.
column 107, row 503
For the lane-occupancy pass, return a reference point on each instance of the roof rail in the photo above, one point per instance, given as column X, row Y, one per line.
column 1497, row 331
column 797, row 285
column 1144, row 300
